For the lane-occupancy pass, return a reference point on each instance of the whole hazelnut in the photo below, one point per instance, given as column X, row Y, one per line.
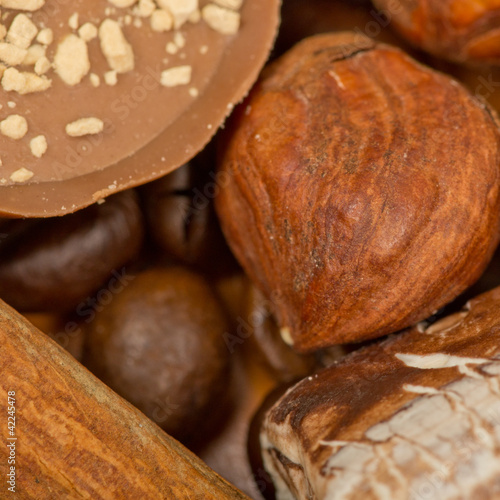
column 159, row 344
column 459, row 30
column 363, row 189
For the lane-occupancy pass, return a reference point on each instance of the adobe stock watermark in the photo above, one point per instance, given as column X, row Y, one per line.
column 256, row 318
column 120, row 109
column 88, row 308
column 163, row 410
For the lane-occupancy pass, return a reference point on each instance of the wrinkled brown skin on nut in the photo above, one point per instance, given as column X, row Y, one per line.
column 159, row 344
column 363, row 189
column 53, row 264
column 76, row 438
column 370, row 386
column 458, row 30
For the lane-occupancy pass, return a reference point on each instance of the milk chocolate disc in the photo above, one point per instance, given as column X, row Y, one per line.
column 108, row 126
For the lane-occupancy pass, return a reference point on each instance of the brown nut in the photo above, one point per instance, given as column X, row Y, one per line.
column 159, row 344
column 52, row 264
column 459, row 30
column 417, row 415
column 363, row 189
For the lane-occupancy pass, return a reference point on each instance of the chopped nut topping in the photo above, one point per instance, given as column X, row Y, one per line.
column 224, row 21
column 84, row 126
column 73, row 21
column 45, row 36
column 179, row 40
column 195, row 16
column 116, row 49
column 181, row 75
column 122, row 4
column 180, row 9
column 29, row 5
column 145, row 8
column 172, row 48
column 95, row 81
column 14, row 127
column 22, row 31
column 25, row 82
column 34, row 53
column 11, row 55
column 42, row 66
column 3, row 31
column 71, row 61
column 21, row 175
column 110, row 77
column 2, row 71
column 230, row 4
column 161, row 20
column 38, row 146
column 87, row 32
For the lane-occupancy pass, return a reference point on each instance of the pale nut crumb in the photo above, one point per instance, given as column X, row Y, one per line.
column 3, row 31
column 14, row 126
column 145, row 8
column 71, row 61
column 11, row 55
column 27, row 5
column 34, row 53
column 24, row 82
column 179, row 40
column 286, row 336
column 193, row 92
column 95, row 81
column 73, row 21
column 171, row 48
column 137, row 23
column 195, row 16
column 87, row 32
column 173, row 77
column 111, row 78
column 122, row 4
column 22, row 31
column 38, row 146
column 42, row 66
column 117, row 51
column 21, row 175
column 161, row 20
column 85, row 126
column 203, row 49
column 229, row 4
column 45, row 36
column 180, row 9
column 11, row 104
column 224, row 21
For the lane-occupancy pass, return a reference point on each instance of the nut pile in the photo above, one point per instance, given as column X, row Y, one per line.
column 302, row 304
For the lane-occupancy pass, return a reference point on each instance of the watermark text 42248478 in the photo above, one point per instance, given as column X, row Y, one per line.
column 11, row 441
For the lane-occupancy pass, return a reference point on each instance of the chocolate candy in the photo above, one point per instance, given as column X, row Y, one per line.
column 114, row 97
column 159, row 344
column 53, row 264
